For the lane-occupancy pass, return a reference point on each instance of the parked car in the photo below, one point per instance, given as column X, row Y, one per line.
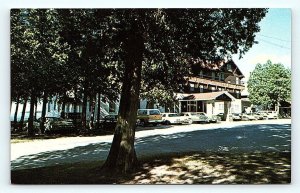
column 148, row 116
column 258, row 116
column 236, row 117
column 59, row 125
column 109, row 122
column 36, row 125
column 247, row 117
column 269, row 114
column 272, row 115
column 221, row 116
column 196, row 117
column 174, row 118
column 214, row 119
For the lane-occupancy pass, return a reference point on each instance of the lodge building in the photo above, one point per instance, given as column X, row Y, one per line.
column 213, row 89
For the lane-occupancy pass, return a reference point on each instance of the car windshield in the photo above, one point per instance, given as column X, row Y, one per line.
column 154, row 112
column 173, row 115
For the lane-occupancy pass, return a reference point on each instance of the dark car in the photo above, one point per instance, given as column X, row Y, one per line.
column 109, row 123
column 221, row 116
column 59, row 125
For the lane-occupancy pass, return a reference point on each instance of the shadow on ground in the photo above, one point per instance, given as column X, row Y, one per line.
column 188, row 168
column 237, row 140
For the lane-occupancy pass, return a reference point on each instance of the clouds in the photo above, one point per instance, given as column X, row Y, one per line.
column 284, row 59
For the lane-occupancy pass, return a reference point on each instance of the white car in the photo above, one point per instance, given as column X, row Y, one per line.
column 248, row 117
column 271, row 115
column 174, row 118
column 196, row 117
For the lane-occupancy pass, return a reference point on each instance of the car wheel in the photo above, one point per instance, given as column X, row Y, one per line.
column 190, row 121
column 167, row 122
column 142, row 123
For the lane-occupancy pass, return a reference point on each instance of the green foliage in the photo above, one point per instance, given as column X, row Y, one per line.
column 37, row 55
column 61, row 51
column 269, row 84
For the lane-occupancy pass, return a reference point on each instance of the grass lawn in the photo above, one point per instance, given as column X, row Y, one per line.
column 187, row 168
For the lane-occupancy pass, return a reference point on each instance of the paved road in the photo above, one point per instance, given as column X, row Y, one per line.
column 267, row 135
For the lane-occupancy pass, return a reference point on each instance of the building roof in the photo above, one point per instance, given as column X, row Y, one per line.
column 217, row 65
column 220, row 95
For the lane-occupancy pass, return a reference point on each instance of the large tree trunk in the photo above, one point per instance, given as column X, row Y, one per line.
column 16, row 114
column 43, row 119
column 122, row 157
column 30, row 130
column 23, row 114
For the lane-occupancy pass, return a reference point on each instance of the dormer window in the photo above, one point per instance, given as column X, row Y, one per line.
column 192, row 87
column 201, row 73
column 229, row 67
column 237, row 80
column 201, row 88
column 222, row 76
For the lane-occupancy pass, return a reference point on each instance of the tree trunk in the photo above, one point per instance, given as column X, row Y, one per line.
column 23, row 114
column 75, row 103
column 35, row 110
column 63, row 108
column 43, row 119
column 16, row 114
column 122, row 157
column 98, row 110
column 83, row 113
column 31, row 113
column 92, row 113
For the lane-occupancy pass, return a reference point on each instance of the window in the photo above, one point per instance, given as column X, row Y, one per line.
column 201, row 88
column 142, row 112
column 192, row 87
column 201, row 73
column 222, row 76
column 213, row 75
column 237, row 93
column 229, row 68
column 237, row 80
column 221, row 107
column 154, row 112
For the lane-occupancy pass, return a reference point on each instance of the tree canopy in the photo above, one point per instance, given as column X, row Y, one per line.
column 269, row 84
column 136, row 53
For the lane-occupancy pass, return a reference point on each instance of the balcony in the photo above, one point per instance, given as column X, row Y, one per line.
column 217, row 83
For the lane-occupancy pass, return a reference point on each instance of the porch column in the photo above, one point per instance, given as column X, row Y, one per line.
column 179, row 107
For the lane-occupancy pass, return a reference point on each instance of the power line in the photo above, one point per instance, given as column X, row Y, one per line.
column 274, row 38
column 274, row 44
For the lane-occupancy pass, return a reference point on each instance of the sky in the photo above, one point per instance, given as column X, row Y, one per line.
column 274, row 42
